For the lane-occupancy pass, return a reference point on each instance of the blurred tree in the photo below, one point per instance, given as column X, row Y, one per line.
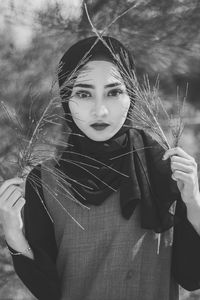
column 163, row 35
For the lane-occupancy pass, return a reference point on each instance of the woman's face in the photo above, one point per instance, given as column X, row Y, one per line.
column 99, row 102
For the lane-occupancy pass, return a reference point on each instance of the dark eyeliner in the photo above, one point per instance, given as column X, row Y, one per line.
column 119, row 91
column 83, row 92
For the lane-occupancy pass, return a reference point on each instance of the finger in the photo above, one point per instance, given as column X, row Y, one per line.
column 9, row 182
column 19, row 204
column 181, row 167
column 7, row 193
column 183, row 161
column 10, row 193
column 179, row 175
column 180, row 183
column 177, row 151
column 13, row 199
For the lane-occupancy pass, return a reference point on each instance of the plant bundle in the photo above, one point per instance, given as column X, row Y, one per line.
column 40, row 141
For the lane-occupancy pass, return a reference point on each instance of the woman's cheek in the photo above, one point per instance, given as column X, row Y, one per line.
column 83, row 112
column 127, row 102
column 124, row 109
column 75, row 106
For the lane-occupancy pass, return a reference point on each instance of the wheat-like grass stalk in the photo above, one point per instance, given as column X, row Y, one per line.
column 177, row 124
column 31, row 154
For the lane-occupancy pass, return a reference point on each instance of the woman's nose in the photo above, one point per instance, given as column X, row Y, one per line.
column 100, row 110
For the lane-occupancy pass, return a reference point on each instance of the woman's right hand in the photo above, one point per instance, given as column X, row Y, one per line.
column 11, row 204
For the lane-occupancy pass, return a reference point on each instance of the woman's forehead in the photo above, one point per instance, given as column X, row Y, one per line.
column 99, row 69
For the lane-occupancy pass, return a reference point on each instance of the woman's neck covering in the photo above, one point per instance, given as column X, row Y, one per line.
column 97, row 169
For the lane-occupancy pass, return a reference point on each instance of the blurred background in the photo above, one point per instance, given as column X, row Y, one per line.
column 164, row 37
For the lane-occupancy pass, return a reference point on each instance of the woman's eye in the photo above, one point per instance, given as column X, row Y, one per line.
column 115, row 92
column 83, row 94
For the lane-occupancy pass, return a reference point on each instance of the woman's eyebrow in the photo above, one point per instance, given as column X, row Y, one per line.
column 114, row 84
column 90, row 86
column 84, row 85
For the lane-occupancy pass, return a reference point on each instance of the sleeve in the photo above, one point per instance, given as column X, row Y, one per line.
column 186, row 246
column 39, row 275
column 186, row 252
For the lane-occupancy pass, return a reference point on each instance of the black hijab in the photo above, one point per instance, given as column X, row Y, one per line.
column 97, row 169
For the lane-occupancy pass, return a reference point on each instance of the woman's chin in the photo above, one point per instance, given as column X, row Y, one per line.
column 100, row 137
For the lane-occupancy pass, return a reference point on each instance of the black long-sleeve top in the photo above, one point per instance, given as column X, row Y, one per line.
column 40, row 275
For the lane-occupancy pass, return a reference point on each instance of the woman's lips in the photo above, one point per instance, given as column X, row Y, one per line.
column 99, row 126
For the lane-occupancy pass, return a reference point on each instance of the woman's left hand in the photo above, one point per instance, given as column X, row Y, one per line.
column 184, row 172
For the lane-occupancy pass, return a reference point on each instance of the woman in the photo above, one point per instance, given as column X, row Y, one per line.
column 128, row 244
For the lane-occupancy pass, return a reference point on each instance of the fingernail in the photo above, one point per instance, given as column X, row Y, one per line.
column 164, row 157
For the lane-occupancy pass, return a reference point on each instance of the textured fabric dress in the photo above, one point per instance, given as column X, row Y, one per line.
column 112, row 258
